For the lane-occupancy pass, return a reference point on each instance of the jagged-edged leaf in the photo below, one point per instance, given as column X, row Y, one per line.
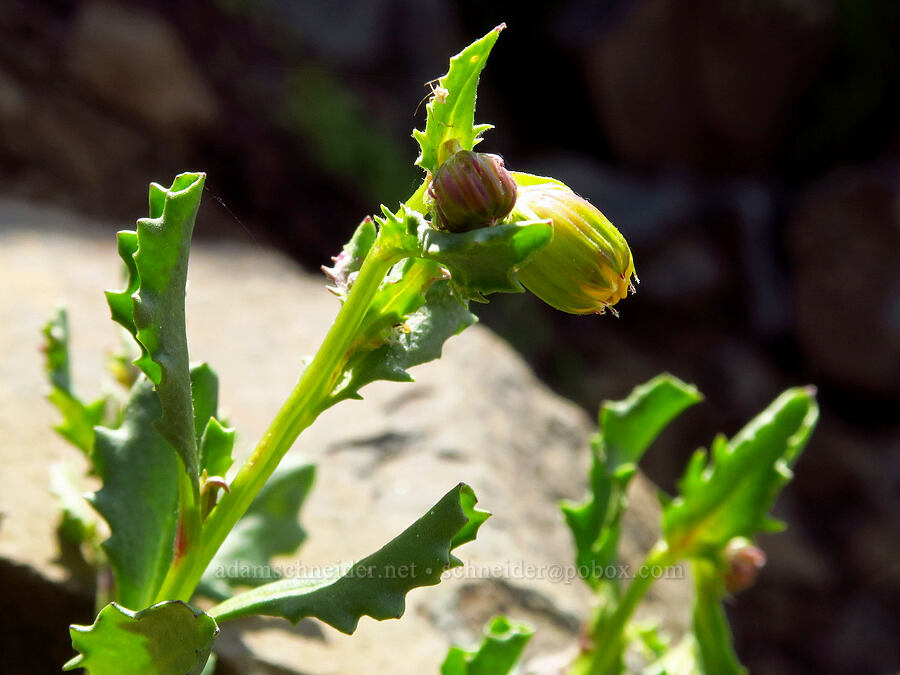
column 418, row 337
column 731, row 494
column 79, row 521
column 451, row 108
column 216, row 445
column 627, row 428
column 268, row 528
column 500, row 649
column 350, row 259
column 151, row 307
column 715, row 646
column 171, row 638
column 486, row 260
column 78, row 418
column 377, row 585
column 139, row 497
column 214, row 440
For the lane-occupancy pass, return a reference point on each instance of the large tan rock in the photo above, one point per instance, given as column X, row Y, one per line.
column 478, row 415
column 133, row 60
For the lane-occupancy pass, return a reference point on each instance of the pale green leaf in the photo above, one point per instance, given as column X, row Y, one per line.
column 498, row 653
column 170, row 638
column 451, row 109
column 78, row 418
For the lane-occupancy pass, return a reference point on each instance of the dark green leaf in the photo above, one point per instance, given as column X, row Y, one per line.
column 268, row 528
column 498, row 653
column 486, row 260
column 376, row 586
column 451, row 110
column 627, row 428
column 170, row 638
column 151, row 308
column 711, row 629
column 138, row 499
column 731, row 494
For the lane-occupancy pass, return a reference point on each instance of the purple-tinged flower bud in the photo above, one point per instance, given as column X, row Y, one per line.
column 744, row 562
column 471, row 190
column 587, row 267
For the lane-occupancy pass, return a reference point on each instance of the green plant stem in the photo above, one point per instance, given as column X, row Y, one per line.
column 302, row 407
column 606, row 631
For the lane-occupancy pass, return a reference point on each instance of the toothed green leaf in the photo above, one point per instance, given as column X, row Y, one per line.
column 214, row 440
column 139, row 497
column 627, row 428
column 416, row 336
column 151, row 307
column 78, row 418
column 167, row 639
column 204, row 397
column 711, row 630
column 269, row 528
column 216, row 445
column 451, row 110
column 376, row 586
column 500, row 649
column 730, row 494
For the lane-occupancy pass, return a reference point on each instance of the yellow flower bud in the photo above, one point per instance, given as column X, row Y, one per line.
column 587, row 266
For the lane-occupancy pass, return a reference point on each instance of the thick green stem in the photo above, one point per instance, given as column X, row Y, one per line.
column 302, row 407
column 607, row 630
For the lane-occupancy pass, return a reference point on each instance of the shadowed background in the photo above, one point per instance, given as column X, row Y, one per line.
column 749, row 150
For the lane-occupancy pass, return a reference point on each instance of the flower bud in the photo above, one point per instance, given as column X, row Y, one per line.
column 471, row 190
column 587, row 266
column 744, row 561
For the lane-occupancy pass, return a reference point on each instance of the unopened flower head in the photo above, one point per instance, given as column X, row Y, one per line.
column 587, row 267
column 471, row 190
column 744, row 562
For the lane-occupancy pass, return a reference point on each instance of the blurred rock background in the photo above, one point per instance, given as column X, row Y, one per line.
column 749, row 150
